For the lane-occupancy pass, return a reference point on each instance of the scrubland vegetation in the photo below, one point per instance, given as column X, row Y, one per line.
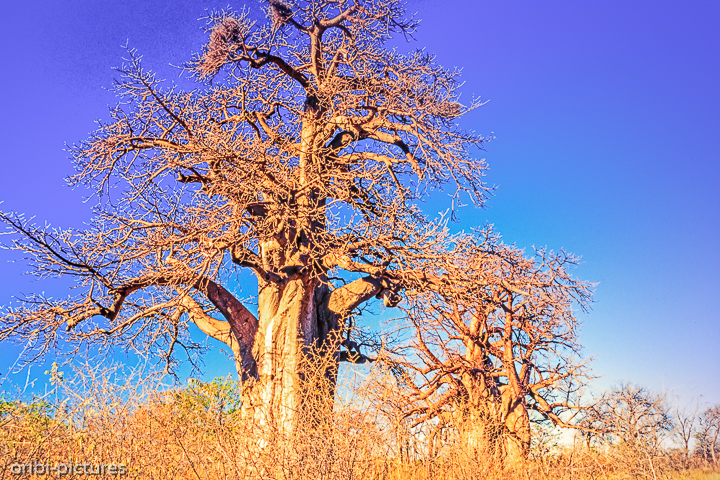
column 197, row 432
column 300, row 165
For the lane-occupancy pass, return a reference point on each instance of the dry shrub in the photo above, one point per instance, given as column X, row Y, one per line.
column 104, row 416
column 197, row 432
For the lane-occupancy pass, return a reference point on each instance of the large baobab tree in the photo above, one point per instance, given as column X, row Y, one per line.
column 497, row 347
column 300, row 158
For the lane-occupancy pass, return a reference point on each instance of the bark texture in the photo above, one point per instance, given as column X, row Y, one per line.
column 297, row 347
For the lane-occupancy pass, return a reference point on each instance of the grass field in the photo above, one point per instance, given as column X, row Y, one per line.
column 197, row 433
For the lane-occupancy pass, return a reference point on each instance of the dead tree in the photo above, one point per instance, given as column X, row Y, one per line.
column 685, row 421
column 707, row 436
column 303, row 162
column 632, row 416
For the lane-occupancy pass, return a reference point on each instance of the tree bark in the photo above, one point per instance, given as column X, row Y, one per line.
column 496, row 422
column 517, row 431
column 506, row 440
column 288, row 329
column 297, row 348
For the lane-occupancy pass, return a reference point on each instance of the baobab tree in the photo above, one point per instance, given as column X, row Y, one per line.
column 497, row 349
column 300, row 157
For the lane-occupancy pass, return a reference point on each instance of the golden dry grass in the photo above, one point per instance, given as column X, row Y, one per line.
column 197, row 433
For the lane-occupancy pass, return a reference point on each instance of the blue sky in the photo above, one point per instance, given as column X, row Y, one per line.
column 606, row 118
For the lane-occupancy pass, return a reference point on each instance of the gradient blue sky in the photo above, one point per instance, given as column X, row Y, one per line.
column 607, row 124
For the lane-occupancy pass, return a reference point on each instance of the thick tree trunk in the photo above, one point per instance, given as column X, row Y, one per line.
column 481, row 425
column 292, row 337
column 505, row 440
column 496, row 425
column 482, row 435
column 517, row 432
column 297, row 347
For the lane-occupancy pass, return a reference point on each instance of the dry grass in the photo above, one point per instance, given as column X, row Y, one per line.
column 103, row 417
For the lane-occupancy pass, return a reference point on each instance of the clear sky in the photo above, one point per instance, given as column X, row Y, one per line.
column 606, row 117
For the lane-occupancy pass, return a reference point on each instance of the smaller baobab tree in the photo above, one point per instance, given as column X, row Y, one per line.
column 497, row 346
